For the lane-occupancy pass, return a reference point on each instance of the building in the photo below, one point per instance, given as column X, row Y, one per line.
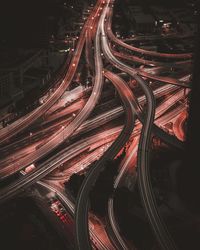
column 162, row 16
column 144, row 23
column 6, row 82
column 21, row 73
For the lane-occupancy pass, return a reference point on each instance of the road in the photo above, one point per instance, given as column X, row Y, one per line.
column 82, row 145
column 142, row 51
column 147, row 195
column 65, row 81
column 69, row 205
column 178, row 126
column 44, row 129
column 54, row 162
column 157, row 224
column 65, row 132
column 133, row 73
column 140, row 60
column 81, row 214
column 67, row 120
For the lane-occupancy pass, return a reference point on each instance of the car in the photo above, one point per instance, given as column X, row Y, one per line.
column 30, row 168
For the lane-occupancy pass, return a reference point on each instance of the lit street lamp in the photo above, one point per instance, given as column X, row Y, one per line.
column 30, row 135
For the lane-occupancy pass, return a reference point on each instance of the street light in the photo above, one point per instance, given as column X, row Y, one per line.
column 30, row 134
column 63, row 128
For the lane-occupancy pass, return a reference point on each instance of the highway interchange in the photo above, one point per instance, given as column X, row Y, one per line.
column 64, row 129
